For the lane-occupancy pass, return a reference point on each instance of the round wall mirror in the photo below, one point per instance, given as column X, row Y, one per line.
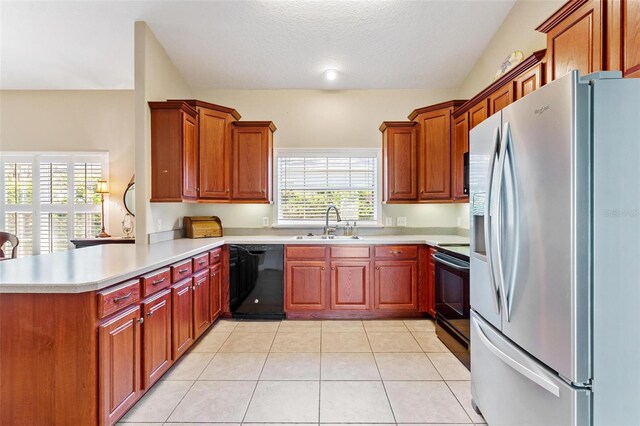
column 129, row 198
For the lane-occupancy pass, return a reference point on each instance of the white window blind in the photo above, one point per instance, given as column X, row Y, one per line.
column 309, row 181
column 49, row 198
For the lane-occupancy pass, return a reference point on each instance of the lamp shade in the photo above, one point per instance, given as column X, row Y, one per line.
column 102, row 187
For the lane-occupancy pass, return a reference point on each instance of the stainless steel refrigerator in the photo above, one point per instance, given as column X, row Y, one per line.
column 555, row 255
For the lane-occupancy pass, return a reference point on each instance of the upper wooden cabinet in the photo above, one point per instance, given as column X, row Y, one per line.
column 623, row 37
column 478, row 112
column 575, row 38
column 252, row 152
column 501, row 98
column 434, row 150
column 459, row 146
column 530, row 81
column 174, row 152
column 214, row 136
column 399, row 160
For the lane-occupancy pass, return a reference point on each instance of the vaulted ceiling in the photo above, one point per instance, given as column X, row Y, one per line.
column 248, row 44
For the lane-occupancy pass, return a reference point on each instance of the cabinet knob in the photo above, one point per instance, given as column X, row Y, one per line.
column 322, row 268
column 150, row 314
column 377, row 268
column 333, row 268
column 141, row 320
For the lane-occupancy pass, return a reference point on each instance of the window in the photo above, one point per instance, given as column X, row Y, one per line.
column 49, row 198
column 309, row 180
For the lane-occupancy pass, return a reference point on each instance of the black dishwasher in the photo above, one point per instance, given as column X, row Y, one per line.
column 256, row 281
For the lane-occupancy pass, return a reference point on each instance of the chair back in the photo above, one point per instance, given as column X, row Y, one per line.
column 13, row 240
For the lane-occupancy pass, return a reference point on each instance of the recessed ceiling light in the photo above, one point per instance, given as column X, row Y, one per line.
column 331, row 74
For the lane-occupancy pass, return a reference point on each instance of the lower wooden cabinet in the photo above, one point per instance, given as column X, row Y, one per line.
column 156, row 337
column 119, row 364
column 431, row 283
column 201, row 303
column 396, row 285
column 182, row 316
column 305, row 285
column 350, row 284
column 215, row 291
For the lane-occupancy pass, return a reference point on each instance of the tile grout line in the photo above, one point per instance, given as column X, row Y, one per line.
column 458, row 401
column 260, row 375
column 373, row 354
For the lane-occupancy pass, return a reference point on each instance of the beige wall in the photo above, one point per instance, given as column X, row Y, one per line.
column 517, row 32
column 156, row 78
column 55, row 120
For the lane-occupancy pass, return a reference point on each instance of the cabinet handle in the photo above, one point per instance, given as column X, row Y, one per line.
column 141, row 320
column 150, row 314
column 396, row 252
column 202, row 262
column 377, row 268
column 333, row 268
column 227, row 190
column 216, row 255
column 322, row 268
column 182, row 271
column 215, row 274
column 160, row 281
column 125, row 297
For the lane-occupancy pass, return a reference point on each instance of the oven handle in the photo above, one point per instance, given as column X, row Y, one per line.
column 439, row 258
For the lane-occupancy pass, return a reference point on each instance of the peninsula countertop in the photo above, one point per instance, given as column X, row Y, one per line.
column 97, row 267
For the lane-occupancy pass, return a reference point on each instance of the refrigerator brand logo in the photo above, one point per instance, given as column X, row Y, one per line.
column 542, row 109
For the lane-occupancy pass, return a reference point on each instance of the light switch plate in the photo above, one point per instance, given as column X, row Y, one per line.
column 265, row 221
column 402, row 221
column 388, row 221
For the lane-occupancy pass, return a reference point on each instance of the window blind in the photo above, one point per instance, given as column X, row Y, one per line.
column 307, row 184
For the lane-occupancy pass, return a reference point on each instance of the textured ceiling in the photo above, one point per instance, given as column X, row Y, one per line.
column 248, row 44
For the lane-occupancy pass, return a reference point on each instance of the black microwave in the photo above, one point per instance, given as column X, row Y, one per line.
column 465, row 188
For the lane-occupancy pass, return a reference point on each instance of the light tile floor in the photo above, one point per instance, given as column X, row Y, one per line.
column 390, row 372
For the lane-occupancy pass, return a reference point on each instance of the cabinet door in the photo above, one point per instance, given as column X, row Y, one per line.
column 623, row 29
column 156, row 337
column 396, row 285
column 459, row 146
column 478, row 113
column 214, row 130
column 215, row 284
column 431, row 283
column 434, row 151
column 119, row 358
column 201, row 303
column 576, row 42
column 401, row 161
column 350, row 285
column 530, row 81
column 182, row 317
column 251, row 163
column 305, row 287
column 189, row 157
column 501, row 98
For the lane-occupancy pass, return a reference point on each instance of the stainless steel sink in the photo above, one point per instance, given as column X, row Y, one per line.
column 325, row 237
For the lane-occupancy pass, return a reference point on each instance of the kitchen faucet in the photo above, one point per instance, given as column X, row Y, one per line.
column 330, row 231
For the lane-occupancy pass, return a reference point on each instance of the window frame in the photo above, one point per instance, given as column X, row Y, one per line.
column 324, row 153
column 36, row 207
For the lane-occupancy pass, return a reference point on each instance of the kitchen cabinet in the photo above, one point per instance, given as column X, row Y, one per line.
column 575, row 38
column 305, row 285
column 478, row 113
column 530, row 80
column 156, row 337
column 399, row 161
column 252, row 153
column 426, row 285
column 396, row 285
column 174, row 152
column 350, row 284
column 501, row 98
column 119, row 364
column 623, row 37
column 215, row 283
column 459, row 146
column 431, row 282
column 201, row 303
column 434, row 155
column 182, row 317
column 214, row 140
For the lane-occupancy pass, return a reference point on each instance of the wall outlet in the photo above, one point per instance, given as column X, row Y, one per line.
column 158, row 224
column 401, row 221
column 459, row 221
column 388, row 221
column 265, row 221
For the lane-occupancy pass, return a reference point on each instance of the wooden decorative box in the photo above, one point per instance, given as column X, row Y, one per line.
column 202, row 226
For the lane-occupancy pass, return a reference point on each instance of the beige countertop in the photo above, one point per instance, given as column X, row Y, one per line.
column 97, row 267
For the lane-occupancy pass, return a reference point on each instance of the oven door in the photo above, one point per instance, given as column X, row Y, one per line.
column 452, row 288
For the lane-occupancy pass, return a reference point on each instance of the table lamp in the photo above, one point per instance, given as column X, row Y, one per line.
column 102, row 188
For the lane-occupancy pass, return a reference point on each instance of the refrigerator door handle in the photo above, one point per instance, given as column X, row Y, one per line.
column 523, row 370
column 497, row 230
column 514, row 203
column 487, row 221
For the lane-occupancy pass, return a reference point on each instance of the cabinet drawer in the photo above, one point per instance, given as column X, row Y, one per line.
column 200, row 262
column 118, row 297
column 155, row 281
column 305, row 252
column 396, row 252
column 181, row 270
column 215, row 256
column 349, row 251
